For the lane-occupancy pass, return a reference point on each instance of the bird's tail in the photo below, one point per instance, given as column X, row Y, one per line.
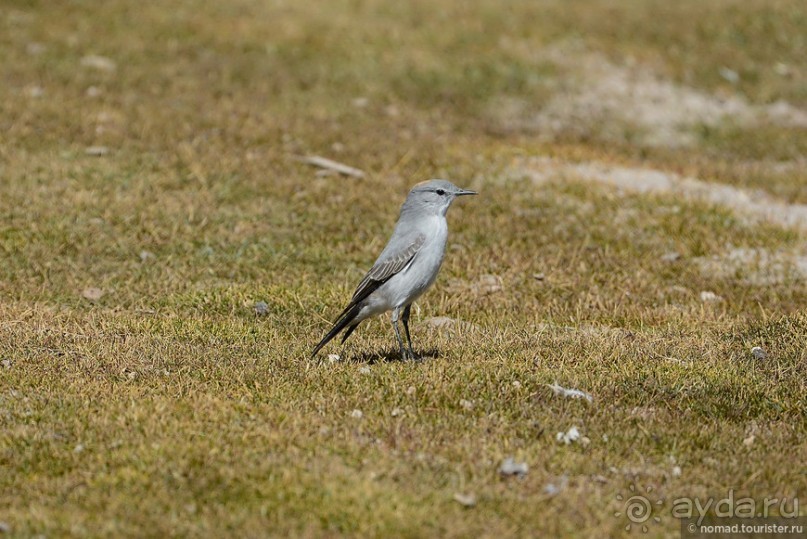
column 345, row 319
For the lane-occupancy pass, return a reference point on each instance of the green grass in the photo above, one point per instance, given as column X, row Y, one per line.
column 168, row 408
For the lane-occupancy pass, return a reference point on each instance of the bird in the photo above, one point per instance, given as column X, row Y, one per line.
column 406, row 267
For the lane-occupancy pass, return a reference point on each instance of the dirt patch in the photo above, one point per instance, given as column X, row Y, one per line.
column 751, row 206
column 593, row 97
column 758, row 267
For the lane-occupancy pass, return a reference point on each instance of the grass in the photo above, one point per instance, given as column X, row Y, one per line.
column 168, row 408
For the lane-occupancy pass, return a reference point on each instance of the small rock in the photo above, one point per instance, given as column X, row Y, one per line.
column 466, row 404
column 101, row 63
column 396, row 412
column 96, row 151
column 571, row 393
column 488, row 284
column 333, row 358
column 465, row 500
column 145, row 256
column 572, row 435
column 730, row 75
column 676, row 471
column 710, row 297
column 261, row 308
column 759, row 353
column 34, row 91
column 365, row 370
column 783, row 70
column 516, row 384
column 360, row 102
column 6, row 363
column 511, row 467
column 410, row 390
column 356, row 414
column 79, row 448
column 672, row 256
column 93, row 294
column 538, row 276
column 553, row 489
column 35, row 48
column 4, row 527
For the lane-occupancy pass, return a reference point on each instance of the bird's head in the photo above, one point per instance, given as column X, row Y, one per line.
column 433, row 196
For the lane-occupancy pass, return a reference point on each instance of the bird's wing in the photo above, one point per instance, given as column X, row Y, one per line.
column 387, row 265
column 393, row 259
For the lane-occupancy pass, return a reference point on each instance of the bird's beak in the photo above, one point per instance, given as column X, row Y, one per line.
column 465, row 192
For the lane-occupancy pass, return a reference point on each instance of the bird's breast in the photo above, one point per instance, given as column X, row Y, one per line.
column 421, row 273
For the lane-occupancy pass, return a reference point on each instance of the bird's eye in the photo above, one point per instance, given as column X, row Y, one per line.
column 440, row 192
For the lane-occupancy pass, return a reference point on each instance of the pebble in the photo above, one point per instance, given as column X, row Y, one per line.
column 101, row 63
column 708, row 297
column 96, row 151
column 465, row 500
column 759, row 353
column 510, row 467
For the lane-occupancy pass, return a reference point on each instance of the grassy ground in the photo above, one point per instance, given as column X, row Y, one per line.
column 161, row 405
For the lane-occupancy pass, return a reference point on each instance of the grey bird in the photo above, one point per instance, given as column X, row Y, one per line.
column 406, row 267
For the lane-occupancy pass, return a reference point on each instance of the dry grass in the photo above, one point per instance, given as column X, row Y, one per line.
column 167, row 408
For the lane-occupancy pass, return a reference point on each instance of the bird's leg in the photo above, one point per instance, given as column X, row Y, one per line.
column 395, row 312
column 405, row 320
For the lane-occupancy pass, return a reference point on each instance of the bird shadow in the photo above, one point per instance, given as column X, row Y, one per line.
column 393, row 355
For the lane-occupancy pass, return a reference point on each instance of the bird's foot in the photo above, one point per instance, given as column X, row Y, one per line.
column 409, row 355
